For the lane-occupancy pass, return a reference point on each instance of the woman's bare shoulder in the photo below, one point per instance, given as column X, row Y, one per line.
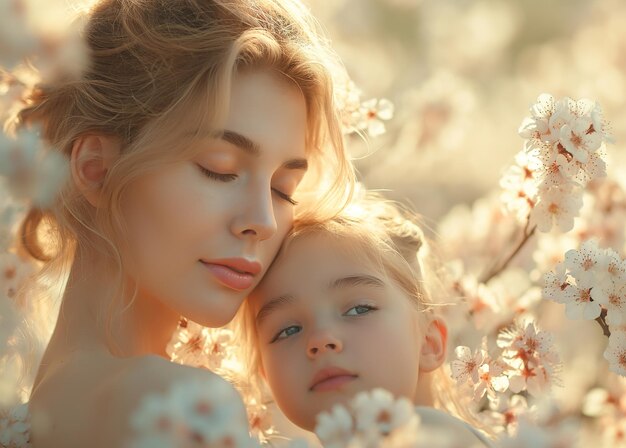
column 121, row 395
column 92, row 400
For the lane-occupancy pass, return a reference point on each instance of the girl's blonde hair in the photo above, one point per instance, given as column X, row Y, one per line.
column 389, row 237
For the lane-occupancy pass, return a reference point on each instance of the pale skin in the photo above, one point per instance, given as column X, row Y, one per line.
column 320, row 308
column 231, row 201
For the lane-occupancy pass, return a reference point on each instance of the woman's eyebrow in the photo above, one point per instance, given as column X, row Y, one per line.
column 356, row 280
column 273, row 305
column 242, row 142
column 250, row 147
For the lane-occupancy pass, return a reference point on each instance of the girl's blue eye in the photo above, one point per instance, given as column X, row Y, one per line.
column 287, row 332
column 359, row 310
column 217, row 176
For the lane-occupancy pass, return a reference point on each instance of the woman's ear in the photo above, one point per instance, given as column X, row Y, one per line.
column 92, row 157
column 435, row 340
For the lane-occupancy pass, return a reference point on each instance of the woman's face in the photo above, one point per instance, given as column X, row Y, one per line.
column 330, row 326
column 204, row 231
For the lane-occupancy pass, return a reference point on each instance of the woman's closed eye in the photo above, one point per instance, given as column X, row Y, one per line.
column 222, row 177
column 286, row 333
column 285, row 196
column 228, row 177
column 359, row 310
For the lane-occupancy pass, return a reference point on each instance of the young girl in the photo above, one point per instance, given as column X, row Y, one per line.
column 188, row 137
column 345, row 308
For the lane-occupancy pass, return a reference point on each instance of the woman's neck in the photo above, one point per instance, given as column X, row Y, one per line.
column 96, row 315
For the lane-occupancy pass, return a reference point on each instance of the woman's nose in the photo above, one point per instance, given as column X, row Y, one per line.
column 256, row 217
column 323, row 342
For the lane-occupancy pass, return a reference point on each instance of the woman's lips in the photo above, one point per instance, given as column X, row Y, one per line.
column 229, row 277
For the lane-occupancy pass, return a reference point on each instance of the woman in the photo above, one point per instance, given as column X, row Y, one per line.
column 187, row 136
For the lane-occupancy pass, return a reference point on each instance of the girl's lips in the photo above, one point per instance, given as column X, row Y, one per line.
column 229, row 277
column 333, row 383
column 331, row 378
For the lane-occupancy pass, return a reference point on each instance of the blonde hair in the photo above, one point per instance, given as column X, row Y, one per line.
column 390, row 237
column 149, row 61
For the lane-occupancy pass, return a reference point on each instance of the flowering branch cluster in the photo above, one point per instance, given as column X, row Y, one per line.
column 591, row 282
column 362, row 116
column 563, row 151
column 214, row 349
column 376, row 419
column 191, row 414
column 526, row 362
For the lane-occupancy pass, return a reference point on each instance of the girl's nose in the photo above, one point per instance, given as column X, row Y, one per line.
column 323, row 342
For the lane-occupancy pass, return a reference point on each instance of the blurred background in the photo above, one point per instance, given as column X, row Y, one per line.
column 462, row 75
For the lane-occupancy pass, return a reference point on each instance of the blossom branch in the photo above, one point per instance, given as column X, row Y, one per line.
column 601, row 319
column 499, row 267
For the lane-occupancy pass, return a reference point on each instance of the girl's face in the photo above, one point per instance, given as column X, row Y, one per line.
column 204, row 231
column 330, row 326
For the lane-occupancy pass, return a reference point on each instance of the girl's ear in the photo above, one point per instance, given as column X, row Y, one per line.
column 92, row 157
column 434, row 345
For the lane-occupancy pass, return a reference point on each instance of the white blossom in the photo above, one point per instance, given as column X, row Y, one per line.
column 561, row 116
column 335, row 428
column 579, row 303
column 610, row 270
column 578, row 140
column 531, row 357
column 556, row 207
column 198, row 346
column 556, row 169
column 15, row 427
column 32, row 171
column 555, row 282
column 615, row 352
column 372, row 114
column 520, row 185
column 466, row 366
column 378, row 409
column 613, row 299
column 372, row 419
column 492, row 379
column 206, row 412
column 581, row 263
column 505, row 413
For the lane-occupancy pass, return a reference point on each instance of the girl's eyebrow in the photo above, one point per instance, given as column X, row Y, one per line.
column 342, row 282
column 356, row 280
column 273, row 305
